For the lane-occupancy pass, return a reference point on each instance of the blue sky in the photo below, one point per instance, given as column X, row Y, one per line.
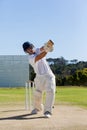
column 63, row 21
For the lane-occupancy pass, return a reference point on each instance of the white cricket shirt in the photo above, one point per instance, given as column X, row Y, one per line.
column 40, row 67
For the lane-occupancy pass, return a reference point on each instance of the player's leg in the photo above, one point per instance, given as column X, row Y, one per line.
column 50, row 94
column 37, row 97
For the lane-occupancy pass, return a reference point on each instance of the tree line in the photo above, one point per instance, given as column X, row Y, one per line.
column 71, row 72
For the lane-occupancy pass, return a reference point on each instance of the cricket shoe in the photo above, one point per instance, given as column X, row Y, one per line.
column 34, row 111
column 47, row 114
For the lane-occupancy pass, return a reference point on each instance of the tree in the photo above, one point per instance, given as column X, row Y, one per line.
column 80, row 77
column 74, row 61
column 74, row 73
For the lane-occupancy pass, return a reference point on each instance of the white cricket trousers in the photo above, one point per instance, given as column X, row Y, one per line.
column 45, row 83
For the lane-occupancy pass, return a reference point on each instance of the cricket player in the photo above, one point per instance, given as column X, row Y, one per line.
column 45, row 79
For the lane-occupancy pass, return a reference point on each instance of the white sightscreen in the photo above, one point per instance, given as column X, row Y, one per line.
column 14, row 70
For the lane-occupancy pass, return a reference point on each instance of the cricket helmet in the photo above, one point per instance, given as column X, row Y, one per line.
column 27, row 45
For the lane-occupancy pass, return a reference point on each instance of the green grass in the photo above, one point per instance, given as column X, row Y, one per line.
column 72, row 96
column 12, row 95
column 64, row 95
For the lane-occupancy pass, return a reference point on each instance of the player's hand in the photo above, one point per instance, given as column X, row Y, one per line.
column 49, row 46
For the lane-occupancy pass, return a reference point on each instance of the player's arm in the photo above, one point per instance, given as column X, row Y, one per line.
column 48, row 47
column 42, row 49
column 40, row 56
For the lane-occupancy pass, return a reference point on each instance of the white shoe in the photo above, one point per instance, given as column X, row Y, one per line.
column 47, row 114
column 34, row 111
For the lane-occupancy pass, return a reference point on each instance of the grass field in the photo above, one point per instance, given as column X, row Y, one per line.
column 64, row 95
column 12, row 95
column 72, row 95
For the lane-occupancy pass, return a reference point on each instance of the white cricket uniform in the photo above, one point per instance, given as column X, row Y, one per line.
column 44, row 81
